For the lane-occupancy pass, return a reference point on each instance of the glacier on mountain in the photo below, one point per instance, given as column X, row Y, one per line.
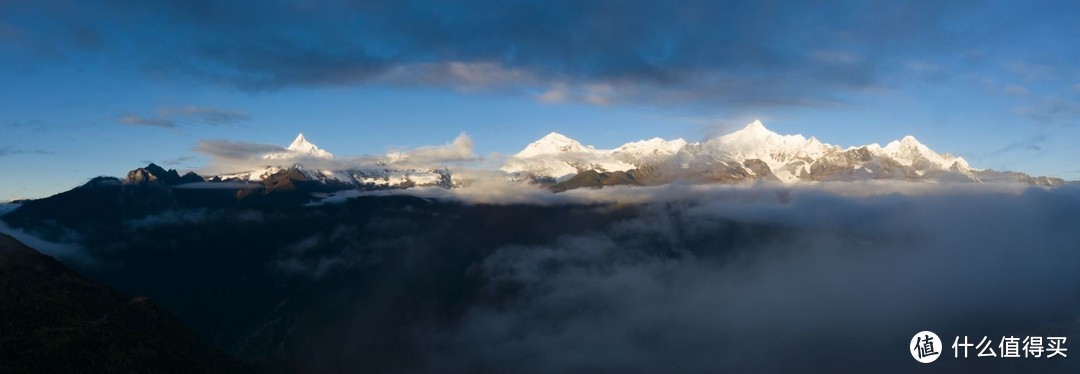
column 300, row 147
column 304, row 158
column 751, row 153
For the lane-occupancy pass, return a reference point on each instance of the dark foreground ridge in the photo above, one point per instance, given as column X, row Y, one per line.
column 56, row 321
column 742, row 280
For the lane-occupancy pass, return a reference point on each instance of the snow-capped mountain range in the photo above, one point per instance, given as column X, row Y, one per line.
column 302, row 171
column 379, row 175
column 752, row 153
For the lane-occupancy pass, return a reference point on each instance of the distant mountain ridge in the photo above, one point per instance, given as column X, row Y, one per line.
column 751, row 153
column 153, row 173
column 559, row 163
column 301, row 151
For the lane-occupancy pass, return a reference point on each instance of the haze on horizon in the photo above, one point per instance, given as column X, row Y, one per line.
column 102, row 88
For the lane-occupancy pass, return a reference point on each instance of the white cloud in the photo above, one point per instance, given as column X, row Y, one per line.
column 234, row 156
column 66, row 251
column 459, row 150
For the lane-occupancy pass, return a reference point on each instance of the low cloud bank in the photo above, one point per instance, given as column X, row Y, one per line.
column 68, row 250
column 844, row 282
column 678, row 278
column 768, row 278
column 486, row 187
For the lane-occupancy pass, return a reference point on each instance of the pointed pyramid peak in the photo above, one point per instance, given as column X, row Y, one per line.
column 756, row 125
column 299, row 142
column 300, row 147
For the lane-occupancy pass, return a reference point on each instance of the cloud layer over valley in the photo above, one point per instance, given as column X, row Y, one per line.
column 834, row 276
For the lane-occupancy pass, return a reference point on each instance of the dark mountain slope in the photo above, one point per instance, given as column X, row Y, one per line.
column 595, row 179
column 56, row 321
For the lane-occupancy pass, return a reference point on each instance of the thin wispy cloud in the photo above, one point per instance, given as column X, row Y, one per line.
column 178, row 161
column 172, row 162
column 34, row 125
column 1032, row 144
column 1055, row 110
column 230, row 156
column 10, row 151
column 134, row 120
column 174, row 117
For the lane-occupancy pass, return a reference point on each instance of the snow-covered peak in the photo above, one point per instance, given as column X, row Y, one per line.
column 755, row 132
column 751, row 133
column 907, row 142
column 558, row 156
column 905, row 149
column 301, row 147
column 300, row 143
column 756, row 126
column 557, row 137
column 654, row 146
column 756, row 141
column 552, row 144
column 643, row 151
column 874, row 148
column 790, row 158
column 909, row 150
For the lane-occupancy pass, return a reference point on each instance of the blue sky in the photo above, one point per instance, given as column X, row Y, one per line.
column 102, row 88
